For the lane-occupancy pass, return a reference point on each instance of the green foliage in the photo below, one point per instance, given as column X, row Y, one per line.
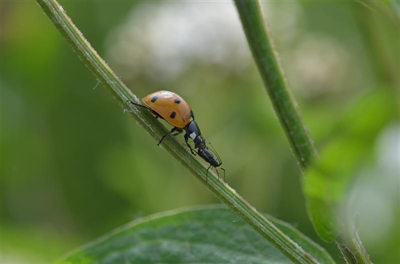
column 329, row 180
column 204, row 235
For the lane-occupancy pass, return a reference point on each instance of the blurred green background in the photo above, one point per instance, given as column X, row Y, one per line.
column 74, row 166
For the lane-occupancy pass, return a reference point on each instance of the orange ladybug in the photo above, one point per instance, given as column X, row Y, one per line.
column 172, row 108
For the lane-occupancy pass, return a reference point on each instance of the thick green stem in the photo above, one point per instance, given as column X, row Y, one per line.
column 268, row 65
column 109, row 79
column 284, row 104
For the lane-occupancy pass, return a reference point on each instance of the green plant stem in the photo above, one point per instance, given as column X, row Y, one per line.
column 264, row 54
column 106, row 77
column 350, row 245
column 274, row 81
column 355, row 254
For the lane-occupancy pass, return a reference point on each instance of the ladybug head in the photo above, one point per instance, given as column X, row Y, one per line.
column 193, row 131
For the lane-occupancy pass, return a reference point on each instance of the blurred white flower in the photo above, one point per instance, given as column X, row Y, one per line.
column 319, row 64
column 161, row 40
column 377, row 190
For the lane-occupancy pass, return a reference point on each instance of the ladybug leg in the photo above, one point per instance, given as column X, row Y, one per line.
column 175, row 129
column 223, row 170
column 208, row 171
column 187, row 143
column 142, row 106
column 146, row 107
column 215, row 170
column 132, row 102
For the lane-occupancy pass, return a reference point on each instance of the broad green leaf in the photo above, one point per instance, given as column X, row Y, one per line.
column 211, row 234
column 328, row 181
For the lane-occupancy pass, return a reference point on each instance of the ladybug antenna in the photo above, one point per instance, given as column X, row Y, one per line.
column 215, row 152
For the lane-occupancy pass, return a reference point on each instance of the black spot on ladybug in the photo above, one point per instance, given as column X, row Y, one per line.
column 173, row 114
column 177, row 100
column 154, row 98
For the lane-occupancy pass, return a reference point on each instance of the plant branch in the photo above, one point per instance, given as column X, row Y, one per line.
column 285, row 106
column 272, row 75
column 109, row 79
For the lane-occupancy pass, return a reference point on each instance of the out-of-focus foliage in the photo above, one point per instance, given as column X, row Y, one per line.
column 328, row 181
column 74, row 166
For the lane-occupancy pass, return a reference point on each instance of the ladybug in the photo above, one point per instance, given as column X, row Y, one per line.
column 173, row 109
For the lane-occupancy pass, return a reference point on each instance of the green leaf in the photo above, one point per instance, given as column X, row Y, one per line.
column 211, row 234
column 328, row 181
